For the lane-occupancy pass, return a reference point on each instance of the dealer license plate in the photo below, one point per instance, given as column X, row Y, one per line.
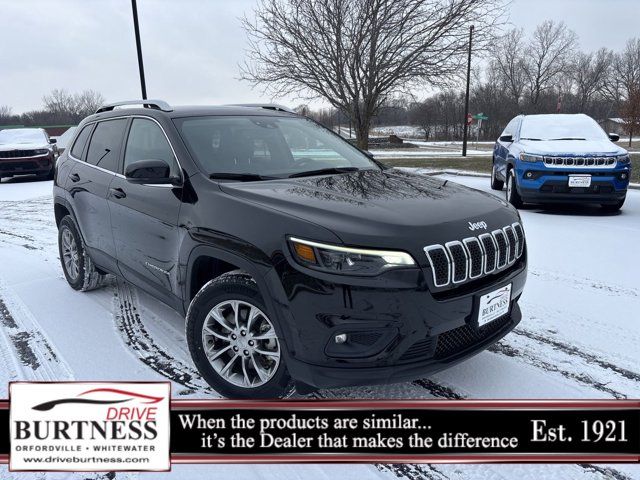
column 580, row 181
column 494, row 305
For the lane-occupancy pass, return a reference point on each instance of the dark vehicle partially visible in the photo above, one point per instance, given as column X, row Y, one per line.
column 27, row 151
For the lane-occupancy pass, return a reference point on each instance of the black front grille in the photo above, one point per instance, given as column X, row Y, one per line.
column 461, row 261
column 462, row 338
column 421, row 350
column 18, row 153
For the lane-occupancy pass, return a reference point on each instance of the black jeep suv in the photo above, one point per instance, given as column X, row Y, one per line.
column 297, row 259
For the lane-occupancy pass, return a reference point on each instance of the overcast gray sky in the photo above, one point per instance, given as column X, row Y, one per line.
column 192, row 48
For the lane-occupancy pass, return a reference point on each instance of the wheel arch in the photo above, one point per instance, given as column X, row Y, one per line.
column 207, row 262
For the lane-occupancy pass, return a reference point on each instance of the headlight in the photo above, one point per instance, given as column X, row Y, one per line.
column 527, row 157
column 623, row 159
column 346, row 260
column 42, row 151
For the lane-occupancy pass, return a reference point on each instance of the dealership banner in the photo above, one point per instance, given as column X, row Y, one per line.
column 130, row 426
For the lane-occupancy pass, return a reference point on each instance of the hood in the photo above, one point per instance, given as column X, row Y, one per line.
column 383, row 209
column 23, row 146
column 572, row 147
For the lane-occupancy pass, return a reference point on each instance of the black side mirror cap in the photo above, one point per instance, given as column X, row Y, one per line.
column 614, row 137
column 53, row 140
column 506, row 138
column 151, row 172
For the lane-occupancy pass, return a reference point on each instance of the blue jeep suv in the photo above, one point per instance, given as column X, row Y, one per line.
column 560, row 158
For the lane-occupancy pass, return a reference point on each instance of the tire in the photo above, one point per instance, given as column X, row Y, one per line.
column 245, row 372
column 78, row 268
column 613, row 207
column 495, row 183
column 512, row 195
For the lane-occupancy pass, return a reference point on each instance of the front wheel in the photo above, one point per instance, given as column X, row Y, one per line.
column 512, row 195
column 495, row 183
column 613, row 207
column 234, row 343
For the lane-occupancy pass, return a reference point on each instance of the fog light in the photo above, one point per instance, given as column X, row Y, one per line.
column 623, row 176
column 342, row 338
column 529, row 174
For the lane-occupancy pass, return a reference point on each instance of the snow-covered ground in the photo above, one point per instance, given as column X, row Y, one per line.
column 578, row 338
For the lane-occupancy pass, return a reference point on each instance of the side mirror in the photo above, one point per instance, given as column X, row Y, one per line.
column 614, row 137
column 506, row 138
column 152, row 172
column 53, row 140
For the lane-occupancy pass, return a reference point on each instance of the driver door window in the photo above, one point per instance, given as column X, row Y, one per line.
column 146, row 141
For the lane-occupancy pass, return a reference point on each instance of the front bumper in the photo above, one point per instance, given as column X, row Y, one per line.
column 397, row 330
column 549, row 185
column 38, row 165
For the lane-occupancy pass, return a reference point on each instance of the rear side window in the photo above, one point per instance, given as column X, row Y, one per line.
column 81, row 141
column 106, row 140
column 147, row 142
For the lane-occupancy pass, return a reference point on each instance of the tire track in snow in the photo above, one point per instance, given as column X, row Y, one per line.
column 28, row 353
column 505, row 349
column 581, row 283
column 574, row 351
column 137, row 338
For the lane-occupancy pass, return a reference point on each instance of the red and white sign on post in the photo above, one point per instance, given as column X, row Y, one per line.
column 79, row 426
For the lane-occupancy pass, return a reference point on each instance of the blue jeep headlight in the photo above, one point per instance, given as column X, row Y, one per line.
column 623, row 159
column 527, row 157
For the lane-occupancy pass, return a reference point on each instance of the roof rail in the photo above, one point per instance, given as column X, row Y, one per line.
column 266, row 106
column 155, row 104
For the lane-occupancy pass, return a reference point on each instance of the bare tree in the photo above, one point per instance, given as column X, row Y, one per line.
column 68, row 107
column 548, row 57
column 6, row 113
column 356, row 53
column 625, row 85
column 590, row 71
column 88, row 102
column 508, row 61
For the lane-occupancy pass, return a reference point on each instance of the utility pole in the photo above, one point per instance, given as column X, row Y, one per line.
column 136, row 27
column 465, row 133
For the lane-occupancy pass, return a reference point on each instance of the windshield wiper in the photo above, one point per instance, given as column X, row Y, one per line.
column 567, row 138
column 534, row 139
column 241, row 177
column 324, row 171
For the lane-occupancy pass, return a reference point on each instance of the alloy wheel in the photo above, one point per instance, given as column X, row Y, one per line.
column 241, row 344
column 70, row 255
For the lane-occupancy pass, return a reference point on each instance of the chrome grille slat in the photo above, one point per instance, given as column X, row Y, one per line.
column 503, row 246
column 458, row 261
column 602, row 162
column 476, row 256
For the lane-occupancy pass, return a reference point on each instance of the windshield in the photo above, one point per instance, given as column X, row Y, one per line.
column 23, row 135
column 267, row 146
column 561, row 127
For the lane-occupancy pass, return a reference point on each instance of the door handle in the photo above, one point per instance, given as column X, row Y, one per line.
column 117, row 192
column 74, row 177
